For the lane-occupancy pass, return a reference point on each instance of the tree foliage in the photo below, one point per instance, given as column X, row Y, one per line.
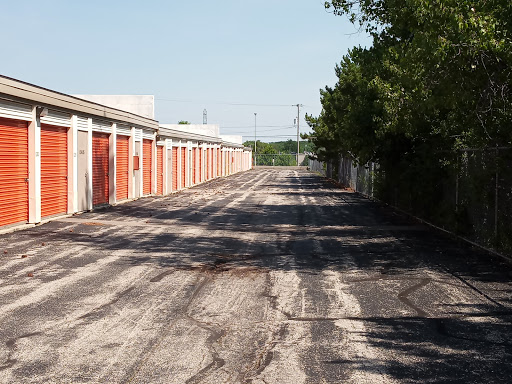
column 438, row 68
column 280, row 153
column 279, row 147
column 436, row 79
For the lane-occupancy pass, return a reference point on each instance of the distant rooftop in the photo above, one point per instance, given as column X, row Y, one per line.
column 142, row 105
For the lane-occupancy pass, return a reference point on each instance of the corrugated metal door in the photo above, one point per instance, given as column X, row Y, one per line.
column 100, row 168
column 219, row 162
column 211, row 163
column 207, row 156
column 208, row 163
column 13, row 172
column 160, row 170
column 147, row 161
column 201, row 152
column 194, row 166
column 174, row 168
column 212, row 159
column 183, row 167
column 54, row 170
column 122, row 146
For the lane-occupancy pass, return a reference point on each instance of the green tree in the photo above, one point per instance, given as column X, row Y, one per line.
column 437, row 79
column 449, row 66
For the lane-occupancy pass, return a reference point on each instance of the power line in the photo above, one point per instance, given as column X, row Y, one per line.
column 263, row 130
column 273, row 136
column 251, row 126
column 225, row 103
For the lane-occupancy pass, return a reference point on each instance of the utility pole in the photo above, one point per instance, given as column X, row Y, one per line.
column 254, row 138
column 298, row 119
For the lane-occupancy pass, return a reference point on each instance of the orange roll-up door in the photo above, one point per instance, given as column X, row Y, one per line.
column 219, row 162
column 201, row 164
column 207, row 162
column 174, row 168
column 183, row 168
column 122, row 146
column 13, row 172
column 212, row 159
column 147, row 161
column 100, row 168
column 160, row 170
column 211, row 163
column 194, row 166
column 54, row 170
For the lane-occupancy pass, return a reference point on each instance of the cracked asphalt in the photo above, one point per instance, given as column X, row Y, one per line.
column 269, row 276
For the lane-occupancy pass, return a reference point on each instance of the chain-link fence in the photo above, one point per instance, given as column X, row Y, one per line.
column 277, row 159
column 317, row 166
column 483, row 196
column 358, row 177
column 474, row 198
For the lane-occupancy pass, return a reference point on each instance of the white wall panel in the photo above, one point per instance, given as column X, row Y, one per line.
column 12, row 110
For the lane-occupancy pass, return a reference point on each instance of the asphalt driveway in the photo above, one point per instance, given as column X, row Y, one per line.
column 269, row 276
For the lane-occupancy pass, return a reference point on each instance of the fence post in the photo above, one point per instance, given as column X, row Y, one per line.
column 496, row 198
column 340, row 169
column 457, row 186
column 370, row 187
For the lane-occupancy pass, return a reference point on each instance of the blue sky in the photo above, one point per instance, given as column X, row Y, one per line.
column 191, row 55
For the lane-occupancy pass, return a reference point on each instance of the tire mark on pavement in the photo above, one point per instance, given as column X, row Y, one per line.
column 277, row 329
column 217, row 362
column 95, row 311
column 215, row 336
column 265, row 357
column 160, row 276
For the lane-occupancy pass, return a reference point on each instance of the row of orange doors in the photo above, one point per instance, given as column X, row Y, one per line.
column 14, row 174
column 183, row 169
column 14, row 171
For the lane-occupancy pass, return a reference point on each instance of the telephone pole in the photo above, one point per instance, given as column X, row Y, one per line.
column 254, row 138
column 298, row 119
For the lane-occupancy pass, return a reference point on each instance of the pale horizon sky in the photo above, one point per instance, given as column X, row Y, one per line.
column 267, row 55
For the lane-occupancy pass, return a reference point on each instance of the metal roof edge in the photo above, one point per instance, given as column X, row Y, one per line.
column 163, row 131
column 36, row 94
column 230, row 144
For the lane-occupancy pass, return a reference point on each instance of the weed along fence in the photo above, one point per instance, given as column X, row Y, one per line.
column 473, row 199
column 61, row 154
